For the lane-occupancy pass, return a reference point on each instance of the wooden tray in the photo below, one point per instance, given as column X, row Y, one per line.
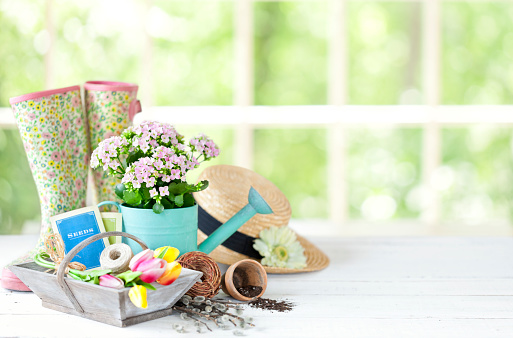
column 107, row 305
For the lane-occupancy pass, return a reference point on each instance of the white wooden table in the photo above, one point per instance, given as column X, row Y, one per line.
column 374, row 287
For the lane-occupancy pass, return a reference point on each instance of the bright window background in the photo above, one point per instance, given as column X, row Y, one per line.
column 181, row 53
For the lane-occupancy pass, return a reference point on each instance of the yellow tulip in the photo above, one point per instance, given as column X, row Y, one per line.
column 138, row 296
column 171, row 273
column 169, row 256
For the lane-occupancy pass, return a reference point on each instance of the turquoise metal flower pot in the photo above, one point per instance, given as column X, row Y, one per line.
column 174, row 227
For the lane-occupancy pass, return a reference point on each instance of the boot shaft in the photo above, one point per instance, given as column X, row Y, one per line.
column 110, row 108
column 53, row 128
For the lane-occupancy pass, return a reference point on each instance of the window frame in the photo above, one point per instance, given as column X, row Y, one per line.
column 335, row 117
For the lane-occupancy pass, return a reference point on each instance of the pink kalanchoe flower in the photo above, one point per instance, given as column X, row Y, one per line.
column 164, row 191
column 153, row 192
column 111, row 282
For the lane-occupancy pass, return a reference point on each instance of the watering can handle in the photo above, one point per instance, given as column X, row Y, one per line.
column 116, row 204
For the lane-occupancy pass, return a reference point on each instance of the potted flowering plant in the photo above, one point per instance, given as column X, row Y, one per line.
column 151, row 161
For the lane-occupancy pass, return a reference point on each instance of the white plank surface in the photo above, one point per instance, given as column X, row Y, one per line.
column 374, row 287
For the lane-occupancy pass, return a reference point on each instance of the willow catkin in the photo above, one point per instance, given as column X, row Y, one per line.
column 116, row 257
column 210, row 283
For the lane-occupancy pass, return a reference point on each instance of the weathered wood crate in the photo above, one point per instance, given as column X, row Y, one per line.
column 107, row 305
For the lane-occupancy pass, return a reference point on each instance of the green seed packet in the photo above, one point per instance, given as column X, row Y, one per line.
column 113, row 221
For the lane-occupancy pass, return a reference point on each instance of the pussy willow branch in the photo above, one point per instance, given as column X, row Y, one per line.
column 182, row 309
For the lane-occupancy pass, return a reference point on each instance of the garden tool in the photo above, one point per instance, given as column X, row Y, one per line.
column 53, row 128
column 110, row 108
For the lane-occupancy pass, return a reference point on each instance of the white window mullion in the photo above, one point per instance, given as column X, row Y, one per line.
column 432, row 139
column 337, row 82
column 243, row 80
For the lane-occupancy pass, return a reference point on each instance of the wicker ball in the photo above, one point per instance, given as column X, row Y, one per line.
column 211, row 279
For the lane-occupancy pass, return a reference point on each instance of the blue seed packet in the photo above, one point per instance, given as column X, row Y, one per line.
column 78, row 225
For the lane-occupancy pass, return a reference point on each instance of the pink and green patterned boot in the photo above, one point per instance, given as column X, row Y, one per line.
column 53, row 129
column 110, row 107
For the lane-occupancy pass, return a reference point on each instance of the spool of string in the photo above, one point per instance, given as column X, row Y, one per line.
column 211, row 280
column 116, row 257
column 54, row 247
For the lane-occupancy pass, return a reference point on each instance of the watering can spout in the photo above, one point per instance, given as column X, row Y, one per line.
column 256, row 204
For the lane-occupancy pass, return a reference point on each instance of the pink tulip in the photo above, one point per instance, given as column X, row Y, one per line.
column 139, row 258
column 111, row 282
column 151, row 269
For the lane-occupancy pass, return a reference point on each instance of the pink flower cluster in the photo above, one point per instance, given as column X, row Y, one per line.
column 205, row 146
column 107, row 152
column 149, row 169
column 151, row 134
column 164, row 165
column 166, row 157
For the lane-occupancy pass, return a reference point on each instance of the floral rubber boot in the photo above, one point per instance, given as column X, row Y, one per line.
column 53, row 129
column 110, row 107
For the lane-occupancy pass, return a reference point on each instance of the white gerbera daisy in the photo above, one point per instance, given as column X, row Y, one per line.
column 279, row 247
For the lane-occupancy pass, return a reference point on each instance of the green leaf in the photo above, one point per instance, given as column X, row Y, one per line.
column 163, row 253
column 95, row 280
column 202, row 185
column 167, row 204
column 148, row 204
column 132, row 197
column 188, row 200
column 98, row 273
column 72, row 275
column 146, row 285
column 134, row 156
column 130, row 284
column 129, row 276
column 178, row 188
column 158, row 208
column 119, row 189
column 179, row 200
column 145, row 193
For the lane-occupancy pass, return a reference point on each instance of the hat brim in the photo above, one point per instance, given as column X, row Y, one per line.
column 315, row 259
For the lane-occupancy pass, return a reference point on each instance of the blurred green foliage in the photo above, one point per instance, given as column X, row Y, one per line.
column 96, row 41
column 22, row 69
column 295, row 161
column 192, row 64
column 18, row 198
column 384, row 52
column 290, row 53
column 477, row 54
column 192, row 53
column 384, row 163
column 475, row 180
column 290, row 69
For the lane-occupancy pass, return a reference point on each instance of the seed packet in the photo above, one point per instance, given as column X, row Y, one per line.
column 113, row 221
column 78, row 225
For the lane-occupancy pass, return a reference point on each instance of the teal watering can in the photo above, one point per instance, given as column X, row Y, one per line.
column 179, row 227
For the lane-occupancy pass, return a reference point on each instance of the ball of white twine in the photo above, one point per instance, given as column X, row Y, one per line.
column 116, row 257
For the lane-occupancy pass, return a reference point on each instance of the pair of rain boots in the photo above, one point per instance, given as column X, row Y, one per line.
column 58, row 136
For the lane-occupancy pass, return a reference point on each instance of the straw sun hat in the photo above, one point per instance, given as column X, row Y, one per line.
column 226, row 195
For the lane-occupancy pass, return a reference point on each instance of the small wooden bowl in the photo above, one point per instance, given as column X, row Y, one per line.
column 243, row 273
